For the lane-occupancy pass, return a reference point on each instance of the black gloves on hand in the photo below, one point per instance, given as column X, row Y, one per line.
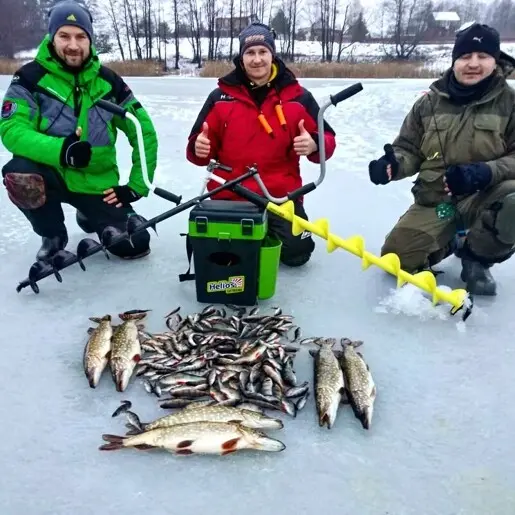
column 377, row 169
column 126, row 195
column 75, row 153
column 467, row 179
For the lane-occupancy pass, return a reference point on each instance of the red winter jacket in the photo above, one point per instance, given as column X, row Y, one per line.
column 239, row 139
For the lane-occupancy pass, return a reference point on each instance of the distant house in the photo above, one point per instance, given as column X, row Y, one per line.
column 223, row 24
column 316, row 33
column 442, row 25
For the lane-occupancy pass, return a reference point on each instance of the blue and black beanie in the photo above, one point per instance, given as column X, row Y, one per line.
column 69, row 12
column 257, row 34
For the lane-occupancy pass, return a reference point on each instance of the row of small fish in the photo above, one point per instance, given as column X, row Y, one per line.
column 342, row 376
column 119, row 346
column 198, row 430
column 228, row 359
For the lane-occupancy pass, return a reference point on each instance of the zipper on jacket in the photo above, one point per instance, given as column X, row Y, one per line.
column 76, row 98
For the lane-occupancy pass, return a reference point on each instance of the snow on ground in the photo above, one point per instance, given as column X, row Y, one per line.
column 435, row 56
column 441, row 441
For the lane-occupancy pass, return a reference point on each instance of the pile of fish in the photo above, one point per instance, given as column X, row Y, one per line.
column 214, row 357
column 342, row 376
column 227, row 359
column 198, row 430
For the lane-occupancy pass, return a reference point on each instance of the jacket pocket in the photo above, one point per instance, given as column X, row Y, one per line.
column 428, row 189
column 488, row 137
column 435, row 137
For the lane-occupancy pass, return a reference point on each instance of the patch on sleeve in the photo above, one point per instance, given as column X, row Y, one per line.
column 8, row 109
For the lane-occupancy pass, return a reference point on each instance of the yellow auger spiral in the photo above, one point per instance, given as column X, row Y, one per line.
column 356, row 245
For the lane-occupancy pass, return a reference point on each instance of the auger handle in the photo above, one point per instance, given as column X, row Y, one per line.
column 123, row 113
column 346, row 93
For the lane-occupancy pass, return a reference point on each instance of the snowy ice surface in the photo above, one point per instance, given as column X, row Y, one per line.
column 441, row 442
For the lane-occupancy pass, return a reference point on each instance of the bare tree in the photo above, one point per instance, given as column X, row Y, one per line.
column 406, row 24
column 112, row 9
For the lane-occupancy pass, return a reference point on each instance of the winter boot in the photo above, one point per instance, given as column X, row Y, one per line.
column 476, row 274
column 84, row 223
column 51, row 246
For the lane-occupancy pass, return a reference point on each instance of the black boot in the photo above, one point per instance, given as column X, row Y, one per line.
column 476, row 274
column 51, row 246
column 84, row 223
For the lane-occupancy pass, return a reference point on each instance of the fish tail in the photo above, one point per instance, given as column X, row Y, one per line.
column 115, row 442
column 134, row 314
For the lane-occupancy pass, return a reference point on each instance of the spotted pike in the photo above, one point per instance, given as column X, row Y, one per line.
column 196, row 438
column 192, row 413
column 98, row 349
column 359, row 384
column 126, row 349
column 329, row 382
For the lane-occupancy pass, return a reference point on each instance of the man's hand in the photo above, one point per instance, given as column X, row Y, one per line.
column 467, row 179
column 121, row 196
column 75, row 153
column 384, row 169
column 304, row 144
column 202, row 143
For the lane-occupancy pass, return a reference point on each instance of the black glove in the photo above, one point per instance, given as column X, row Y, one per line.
column 467, row 179
column 75, row 153
column 377, row 168
column 126, row 195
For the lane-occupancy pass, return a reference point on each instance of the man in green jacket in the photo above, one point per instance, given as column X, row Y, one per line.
column 63, row 145
column 460, row 139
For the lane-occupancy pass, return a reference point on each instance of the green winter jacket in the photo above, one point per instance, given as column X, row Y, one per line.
column 437, row 133
column 45, row 103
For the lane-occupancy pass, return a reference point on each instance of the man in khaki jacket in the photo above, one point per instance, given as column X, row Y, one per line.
column 460, row 139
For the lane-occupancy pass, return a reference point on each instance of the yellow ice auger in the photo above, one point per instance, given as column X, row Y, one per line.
column 284, row 207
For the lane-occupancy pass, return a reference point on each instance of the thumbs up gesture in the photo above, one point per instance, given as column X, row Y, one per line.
column 202, row 143
column 303, row 144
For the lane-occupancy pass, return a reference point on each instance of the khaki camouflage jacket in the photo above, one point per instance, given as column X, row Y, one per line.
column 480, row 131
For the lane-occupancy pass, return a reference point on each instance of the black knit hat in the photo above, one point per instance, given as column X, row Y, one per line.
column 257, row 34
column 69, row 12
column 477, row 38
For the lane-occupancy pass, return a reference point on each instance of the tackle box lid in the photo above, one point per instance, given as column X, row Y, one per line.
column 228, row 211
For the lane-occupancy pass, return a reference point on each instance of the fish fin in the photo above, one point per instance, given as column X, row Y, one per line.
column 338, row 354
column 184, row 452
column 313, row 353
column 97, row 320
column 184, row 443
column 134, row 314
column 229, row 451
column 144, row 447
column 124, row 406
column 141, row 327
column 230, row 445
column 115, row 442
column 111, row 447
column 133, row 432
column 90, row 330
column 233, row 421
column 108, row 354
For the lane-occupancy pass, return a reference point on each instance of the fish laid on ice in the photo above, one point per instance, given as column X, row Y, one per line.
column 359, row 384
column 98, row 349
column 126, row 348
column 329, row 382
column 196, row 438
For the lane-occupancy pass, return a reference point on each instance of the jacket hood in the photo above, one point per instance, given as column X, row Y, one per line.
column 46, row 58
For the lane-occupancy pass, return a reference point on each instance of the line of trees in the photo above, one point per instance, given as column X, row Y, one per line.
column 150, row 29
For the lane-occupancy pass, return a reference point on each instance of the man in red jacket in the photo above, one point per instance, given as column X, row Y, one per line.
column 260, row 114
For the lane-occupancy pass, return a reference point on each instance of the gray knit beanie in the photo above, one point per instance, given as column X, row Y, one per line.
column 257, row 34
column 69, row 12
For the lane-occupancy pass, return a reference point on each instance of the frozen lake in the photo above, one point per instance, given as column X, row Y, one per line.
column 441, row 441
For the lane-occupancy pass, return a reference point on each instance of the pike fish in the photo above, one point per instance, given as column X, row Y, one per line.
column 193, row 413
column 329, row 382
column 359, row 384
column 98, row 349
column 196, row 438
column 126, row 348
